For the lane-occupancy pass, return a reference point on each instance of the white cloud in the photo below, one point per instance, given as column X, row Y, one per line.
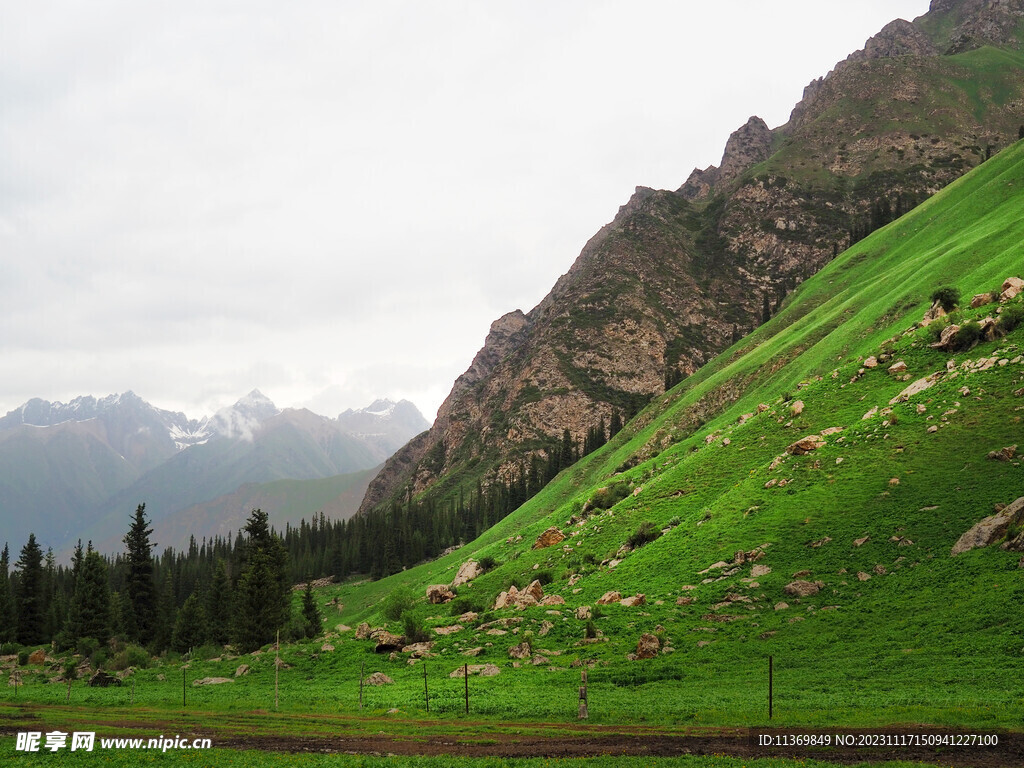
column 325, row 198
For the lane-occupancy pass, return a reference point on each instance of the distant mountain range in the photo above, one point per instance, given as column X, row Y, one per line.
column 78, row 469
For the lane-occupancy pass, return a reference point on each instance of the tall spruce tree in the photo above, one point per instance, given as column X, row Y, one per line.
column 90, row 606
column 313, row 621
column 139, row 578
column 218, row 606
column 8, row 619
column 262, row 600
column 190, row 626
column 31, row 599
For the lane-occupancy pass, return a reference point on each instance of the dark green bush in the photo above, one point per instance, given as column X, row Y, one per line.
column 968, row 335
column 134, row 656
column 1011, row 318
column 413, row 629
column 545, row 577
column 947, row 296
column 461, row 605
column 645, row 534
column 22, row 658
column 488, row 563
column 70, row 670
column 591, row 630
column 6, row 649
column 606, row 498
column 396, row 603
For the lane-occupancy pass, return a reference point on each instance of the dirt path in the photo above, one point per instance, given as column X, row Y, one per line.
column 732, row 742
column 326, row 733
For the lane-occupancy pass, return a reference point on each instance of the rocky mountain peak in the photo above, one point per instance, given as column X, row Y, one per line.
column 504, row 335
column 897, row 38
column 748, row 145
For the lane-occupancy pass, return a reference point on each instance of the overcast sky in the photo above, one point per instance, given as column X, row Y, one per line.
column 331, row 201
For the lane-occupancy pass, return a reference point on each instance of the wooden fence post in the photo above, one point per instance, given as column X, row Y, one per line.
column 362, row 674
column 277, row 665
column 183, row 686
column 583, row 713
column 770, row 684
column 426, row 694
column 465, row 674
column 133, row 691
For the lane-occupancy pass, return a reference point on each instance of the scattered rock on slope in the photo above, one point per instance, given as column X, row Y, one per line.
column 991, row 529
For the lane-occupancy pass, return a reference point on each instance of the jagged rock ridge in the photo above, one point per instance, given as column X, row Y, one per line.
column 677, row 276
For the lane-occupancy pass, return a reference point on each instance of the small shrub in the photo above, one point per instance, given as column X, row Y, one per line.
column 461, row 605
column 936, row 327
column 968, row 335
column 6, row 649
column 205, row 652
column 544, row 576
column 131, row 656
column 606, row 498
column 947, row 297
column 87, row 646
column 488, row 563
column 70, row 671
column 675, row 521
column 99, row 658
column 589, row 559
column 396, row 603
column 413, row 629
column 22, row 658
column 597, row 613
column 1011, row 318
column 645, row 534
column 591, row 630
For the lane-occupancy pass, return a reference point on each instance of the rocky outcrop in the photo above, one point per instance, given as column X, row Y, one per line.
column 802, row 588
column 439, row 593
column 647, row 646
column 608, row 598
column 378, row 678
column 467, row 572
column 748, row 145
column 897, row 38
column 990, row 530
column 212, row 681
column 1011, row 288
column 103, row 680
column 805, row 445
column 549, row 538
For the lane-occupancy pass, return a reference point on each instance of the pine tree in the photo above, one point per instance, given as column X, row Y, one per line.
column 190, row 627
column 218, row 606
column 8, row 620
column 164, row 617
column 262, row 600
column 90, row 612
column 312, row 619
column 139, row 580
column 616, row 424
column 30, row 600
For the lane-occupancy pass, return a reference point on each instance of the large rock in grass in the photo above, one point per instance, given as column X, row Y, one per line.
column 378, row 678
column 991, row 529
column 802, row 588
column 805, row 445
column 439, row 593
column 521, row 651
column 387, row 641
column 647, row 646
column 549, row 538
column 1012, row 286
column 635, row 600
column 609, row 597
column 103, row 680
column 467, row 572
column 212, row 681
column 37, row 656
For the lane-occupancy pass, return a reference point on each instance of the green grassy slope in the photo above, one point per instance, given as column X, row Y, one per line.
column 928, row 614
column 899, row 632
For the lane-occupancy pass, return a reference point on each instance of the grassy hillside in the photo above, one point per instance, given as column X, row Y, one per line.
column 899, row 632
column 906, row 630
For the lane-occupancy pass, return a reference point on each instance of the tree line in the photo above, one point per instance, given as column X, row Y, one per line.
column 225, row 591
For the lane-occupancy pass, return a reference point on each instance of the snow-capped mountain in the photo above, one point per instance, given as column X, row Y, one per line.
column 77, row 469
